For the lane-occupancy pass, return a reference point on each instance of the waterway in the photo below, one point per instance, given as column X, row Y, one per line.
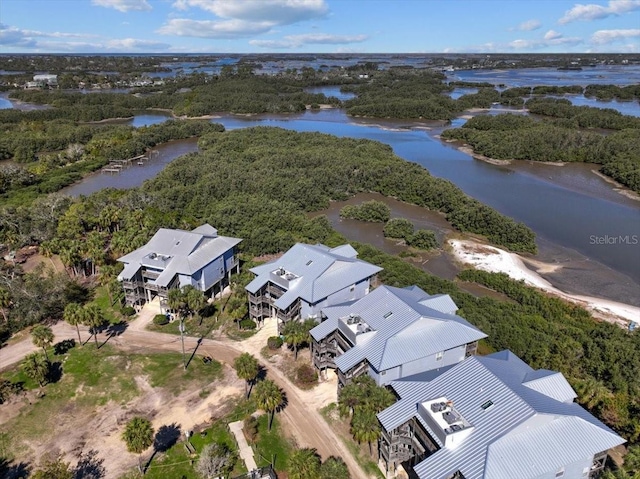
column 580, row 221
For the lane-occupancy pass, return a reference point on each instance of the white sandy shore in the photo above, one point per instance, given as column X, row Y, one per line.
column 495, row 260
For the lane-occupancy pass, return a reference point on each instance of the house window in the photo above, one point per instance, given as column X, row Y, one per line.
column 439, row 356
column 560, row 472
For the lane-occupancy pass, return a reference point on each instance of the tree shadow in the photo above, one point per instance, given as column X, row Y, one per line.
column 165, row 439
column 208, row 311
column 55, row 372
column 261, row 376
column 90, row 466
column 193, row 353
column 9, row 470
column 284, row 403
column 64, row 346
column 114, row 330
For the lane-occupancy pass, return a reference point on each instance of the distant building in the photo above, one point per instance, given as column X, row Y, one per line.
column 392, row 333
column 176, row 258
column 493, row 417
column 306, row 279
column 46, row 80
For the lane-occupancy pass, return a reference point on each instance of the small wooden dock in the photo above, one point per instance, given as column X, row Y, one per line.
column 116, row 166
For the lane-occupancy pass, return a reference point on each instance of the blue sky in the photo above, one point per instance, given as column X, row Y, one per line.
column 333, row 26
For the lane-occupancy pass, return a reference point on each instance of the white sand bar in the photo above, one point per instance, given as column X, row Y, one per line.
column 496, row 260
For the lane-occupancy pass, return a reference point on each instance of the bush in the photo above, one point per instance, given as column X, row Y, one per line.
column 248, row 323
column 423, row 239
column 398, row 228
column 251, row 428
column 160, row 319
column 307, row 374
column 274, row 342
column 373, row 211
column 128, row 311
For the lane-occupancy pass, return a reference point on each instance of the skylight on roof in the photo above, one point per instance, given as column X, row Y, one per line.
column 487, row 405
column 387, row 314
column 309, row 262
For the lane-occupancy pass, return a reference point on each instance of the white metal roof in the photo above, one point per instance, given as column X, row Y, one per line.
column 404, row 328
column 522, row 426
column 320, row 272
column 177, row 252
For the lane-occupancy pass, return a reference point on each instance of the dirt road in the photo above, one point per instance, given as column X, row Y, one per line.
column 305, row 422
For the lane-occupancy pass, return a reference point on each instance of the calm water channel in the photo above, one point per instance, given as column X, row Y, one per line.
column 580, row 221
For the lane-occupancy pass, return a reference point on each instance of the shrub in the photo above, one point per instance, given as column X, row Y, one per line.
column 251, row 428
column 274, row 342
column 373, row 211
column 398, row 228
column 160, row 319
column 128, row 311
column 423, row 239
column 248, row 323
column 307, row 374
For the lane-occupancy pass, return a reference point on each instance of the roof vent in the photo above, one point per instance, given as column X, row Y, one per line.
column 487, row 405
column 281, row 271
column 152, row 256
column 309, row 262
column 386, row 315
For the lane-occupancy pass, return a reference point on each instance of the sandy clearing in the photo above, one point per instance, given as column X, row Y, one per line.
column 496, row 260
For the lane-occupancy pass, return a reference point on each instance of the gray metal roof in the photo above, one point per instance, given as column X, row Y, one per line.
column 409, row 331
column 177, row 252
column 319, row 272
column 524, row 434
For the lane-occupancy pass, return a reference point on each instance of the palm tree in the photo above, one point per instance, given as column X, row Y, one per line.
column 36, row 366
column 5, row 303
column 247, row 368
column 42, row 336
column 138, row 435
column 334, row 468
column 194, row 298
column 365, row 427
column 93, row 318
column 176, row 301
column 269, row 397
column 295, row 334
column 379, row 398
column 304, row 464
column 74, row 315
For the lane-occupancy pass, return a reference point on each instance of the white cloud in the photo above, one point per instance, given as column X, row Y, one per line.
column 134, row 44
column 552, row 35
column 212, row 29
column 15, row 38
column 529, row 25
column 602, row 37
column 242, row 18
column 593, row 11
column 277, row 12
column 124, row 5
column 296, row 41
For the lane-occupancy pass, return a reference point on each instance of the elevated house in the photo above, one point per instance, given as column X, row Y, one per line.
column 176, row 258
column 493, row 417
column 306, row 279
column 392, row 333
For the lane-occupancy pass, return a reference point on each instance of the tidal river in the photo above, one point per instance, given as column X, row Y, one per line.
column 580, row 221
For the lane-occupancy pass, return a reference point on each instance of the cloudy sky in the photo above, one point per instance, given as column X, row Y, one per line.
column 362, row 26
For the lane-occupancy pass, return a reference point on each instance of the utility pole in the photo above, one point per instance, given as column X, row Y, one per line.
column 184, row 357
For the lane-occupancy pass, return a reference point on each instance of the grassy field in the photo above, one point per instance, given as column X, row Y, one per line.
column 271, row 445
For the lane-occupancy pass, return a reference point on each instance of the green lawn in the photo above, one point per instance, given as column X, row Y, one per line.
column 271, row 445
